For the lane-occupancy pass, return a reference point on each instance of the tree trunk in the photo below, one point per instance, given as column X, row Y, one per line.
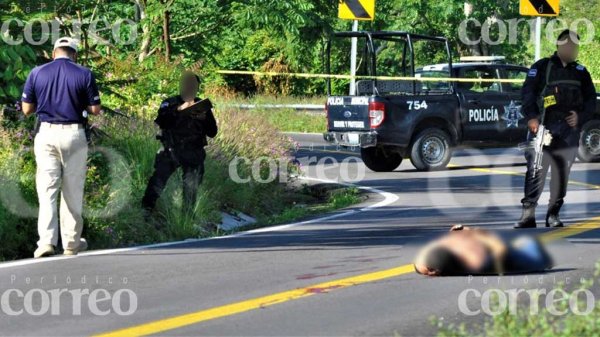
column 86, row 46
column 167, row 34
column 146, row 34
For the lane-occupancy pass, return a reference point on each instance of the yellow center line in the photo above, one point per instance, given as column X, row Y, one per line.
column 256, row 303
column 507, row 172
column 571, row 230
column 475, row 169
column 591, row 224
column 290, row 295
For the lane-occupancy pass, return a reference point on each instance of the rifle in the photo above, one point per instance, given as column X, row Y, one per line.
column 198, row 110
column 542, row 138
column 93, row 132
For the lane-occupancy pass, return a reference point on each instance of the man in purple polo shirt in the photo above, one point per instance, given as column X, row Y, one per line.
column 62, row 94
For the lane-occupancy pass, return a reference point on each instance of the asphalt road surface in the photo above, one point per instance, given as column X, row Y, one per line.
column 344, row 273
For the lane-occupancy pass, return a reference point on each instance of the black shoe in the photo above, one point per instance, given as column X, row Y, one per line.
column 552, row 220
column 527, row 218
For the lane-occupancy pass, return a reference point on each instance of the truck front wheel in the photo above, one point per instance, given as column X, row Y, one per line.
column 431, row 150
column 381, row 158
column 589, row 144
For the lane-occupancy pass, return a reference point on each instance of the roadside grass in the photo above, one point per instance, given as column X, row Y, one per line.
column 120, row 164
column 285, row 119
column 317, row 199
column 570, row 322
column 289, row 120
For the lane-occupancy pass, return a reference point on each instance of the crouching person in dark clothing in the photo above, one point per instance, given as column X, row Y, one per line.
column 185, row 121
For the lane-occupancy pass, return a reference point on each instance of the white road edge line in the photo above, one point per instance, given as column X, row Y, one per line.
column 389, row 198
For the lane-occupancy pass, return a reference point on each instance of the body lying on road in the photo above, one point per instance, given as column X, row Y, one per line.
column 472, row 251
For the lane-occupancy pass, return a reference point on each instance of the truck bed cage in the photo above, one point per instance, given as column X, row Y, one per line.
column 393, row 36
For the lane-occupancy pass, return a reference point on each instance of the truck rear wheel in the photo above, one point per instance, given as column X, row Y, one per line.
column 431, row 150
column 381, row 158
column 589, row 143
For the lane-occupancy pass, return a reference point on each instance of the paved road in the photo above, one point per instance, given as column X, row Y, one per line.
column 345, row 274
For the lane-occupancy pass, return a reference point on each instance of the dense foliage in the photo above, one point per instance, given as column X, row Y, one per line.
column 286, row 36
column 138, row 48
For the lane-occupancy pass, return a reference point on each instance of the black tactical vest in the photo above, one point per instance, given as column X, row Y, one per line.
column 563, row 84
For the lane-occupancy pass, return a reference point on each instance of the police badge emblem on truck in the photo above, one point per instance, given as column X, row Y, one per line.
column 512, row 115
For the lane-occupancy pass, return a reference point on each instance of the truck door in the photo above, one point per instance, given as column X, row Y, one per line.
column 514, row 116
column 482, row 105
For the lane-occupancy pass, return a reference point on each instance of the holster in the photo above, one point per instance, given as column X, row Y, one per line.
column 88, row 130
column 36, row 126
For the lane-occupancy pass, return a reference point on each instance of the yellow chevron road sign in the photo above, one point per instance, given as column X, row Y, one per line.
column 357, row 9
column 540, row 7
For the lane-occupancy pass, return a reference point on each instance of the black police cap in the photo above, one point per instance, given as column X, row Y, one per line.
column 567, row 33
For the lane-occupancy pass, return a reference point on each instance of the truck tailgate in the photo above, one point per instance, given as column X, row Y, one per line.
column 348, row 113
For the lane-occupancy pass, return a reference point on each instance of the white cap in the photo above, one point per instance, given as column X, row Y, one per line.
column 67, row 42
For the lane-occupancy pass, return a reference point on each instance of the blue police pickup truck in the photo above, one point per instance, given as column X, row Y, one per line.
column 424, row 120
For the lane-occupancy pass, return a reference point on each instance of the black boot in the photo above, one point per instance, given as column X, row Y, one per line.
column 527, row 218
column 552, row 219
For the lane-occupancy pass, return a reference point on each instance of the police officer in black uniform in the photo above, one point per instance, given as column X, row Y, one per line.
column 183, row 136
column 569, row 89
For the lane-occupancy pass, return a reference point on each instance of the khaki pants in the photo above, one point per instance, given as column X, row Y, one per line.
column 61, row 157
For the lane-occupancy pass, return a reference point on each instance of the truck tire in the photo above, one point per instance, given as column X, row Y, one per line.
column 431, row 150
column 381, row 158
column 589, row 143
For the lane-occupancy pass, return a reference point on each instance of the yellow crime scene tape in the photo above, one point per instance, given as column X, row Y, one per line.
column 366, row 77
